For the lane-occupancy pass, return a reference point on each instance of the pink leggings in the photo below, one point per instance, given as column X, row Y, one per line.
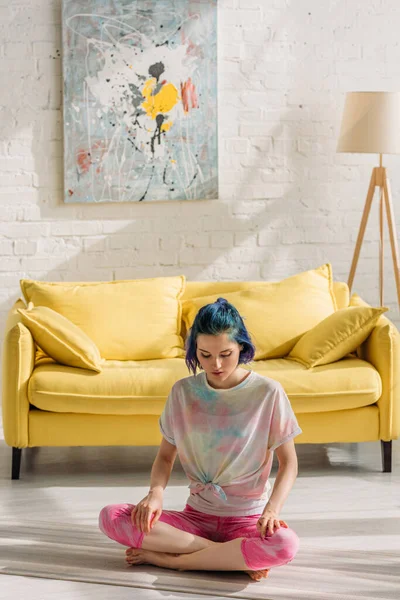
column 273, row 551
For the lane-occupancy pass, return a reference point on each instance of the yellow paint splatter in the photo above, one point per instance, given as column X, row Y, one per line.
column 162, row 102
column 166, row 126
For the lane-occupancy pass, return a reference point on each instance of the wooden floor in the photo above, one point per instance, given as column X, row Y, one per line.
column 337, row 484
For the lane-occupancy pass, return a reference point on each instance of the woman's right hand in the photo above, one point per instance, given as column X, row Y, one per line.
column 147, row 512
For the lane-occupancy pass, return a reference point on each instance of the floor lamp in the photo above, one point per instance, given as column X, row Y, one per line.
column 371, row 123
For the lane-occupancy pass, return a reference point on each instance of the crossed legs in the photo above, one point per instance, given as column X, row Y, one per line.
column 173, row 548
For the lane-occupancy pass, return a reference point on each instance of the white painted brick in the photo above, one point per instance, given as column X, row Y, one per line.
column 175, row 242
column 227, row 3
column 95, row 244
column 200, row 256
column 48, row 68
column 238, row 272
column 133, row 272
column 23, row 247
column 133, row 240
column 259, row 37
column 68, row 228
column 198, row 273
column 19, row 67
column 106, row 260
column 253, row 51
column 243, row 255
column 139, row 257
column 18, row 50
column 245, row 239
column 48, row 177
column 238, row 145
column 47, row 33
column 24, row 230
column 257, row 129
column 73, row 274
column 222, row 239
column 56, row 247
column 9, row 213
column 45, row 50
column 265, row 190
column 242, row 18
column 11, row 281
column 251, row 4
column 232, row 51
column 10, row 264
column 261, row 144
column 269, row 238
column 48, row 125
column 168, row 258
column 15, row 164
column 197, row 240
column 15, row 179
column 18, row 196
column 55, row 93
column 166, row 224
column 19, row 148
column 195, row 210
column 123, row 226
column 48, row 264
column 6, row 247
column 26, row 15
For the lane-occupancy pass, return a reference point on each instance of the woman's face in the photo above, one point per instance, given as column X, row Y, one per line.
column 218, row 356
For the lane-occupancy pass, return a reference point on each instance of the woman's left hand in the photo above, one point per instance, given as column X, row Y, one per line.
column 268, row 523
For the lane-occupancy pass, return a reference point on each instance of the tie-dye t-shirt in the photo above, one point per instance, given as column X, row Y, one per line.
column 225, row 440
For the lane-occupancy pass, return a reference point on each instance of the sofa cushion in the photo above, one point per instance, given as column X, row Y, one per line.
column 122, row 388
column 129, row 387
column 60, row 338
column 278, row 314
column 342, row 294
column 336, row 336
column 195, row 289
column 342, row 385
column 127, row 320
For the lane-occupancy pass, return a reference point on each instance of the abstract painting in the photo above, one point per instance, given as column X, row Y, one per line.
column 140, row 100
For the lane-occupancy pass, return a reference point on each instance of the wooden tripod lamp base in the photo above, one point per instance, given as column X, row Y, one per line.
column 379, row 179
column 371, row 124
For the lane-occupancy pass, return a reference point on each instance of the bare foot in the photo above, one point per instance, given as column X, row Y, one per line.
column 258, row 575
column 138, row 556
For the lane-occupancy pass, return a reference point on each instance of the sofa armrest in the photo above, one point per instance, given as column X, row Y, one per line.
column 17, row 365
column 382, row 350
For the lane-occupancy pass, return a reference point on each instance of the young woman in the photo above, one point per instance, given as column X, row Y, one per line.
column 225, row 423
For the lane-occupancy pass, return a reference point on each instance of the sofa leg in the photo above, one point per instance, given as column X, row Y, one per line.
column 386, row 450
column 16, row 462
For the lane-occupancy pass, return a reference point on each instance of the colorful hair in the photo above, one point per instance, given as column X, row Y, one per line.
column 214, row 319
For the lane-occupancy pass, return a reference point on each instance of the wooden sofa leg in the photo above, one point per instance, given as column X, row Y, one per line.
column 386, row 449
column 16, row 462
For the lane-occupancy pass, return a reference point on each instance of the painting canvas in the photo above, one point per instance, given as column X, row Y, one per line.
column 140, row 100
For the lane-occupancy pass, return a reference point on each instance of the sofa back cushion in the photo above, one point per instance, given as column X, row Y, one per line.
column 336, row 336
column 127, row 320
column 342, row 294
column 277, row 314
column 195, row 289
column 61, row 339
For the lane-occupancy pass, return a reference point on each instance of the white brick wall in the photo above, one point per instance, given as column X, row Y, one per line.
column 288, row 201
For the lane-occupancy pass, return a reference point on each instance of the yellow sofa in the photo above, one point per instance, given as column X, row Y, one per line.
column 355, row 399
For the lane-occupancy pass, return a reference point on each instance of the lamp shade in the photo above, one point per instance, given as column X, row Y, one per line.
column 371, row 123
